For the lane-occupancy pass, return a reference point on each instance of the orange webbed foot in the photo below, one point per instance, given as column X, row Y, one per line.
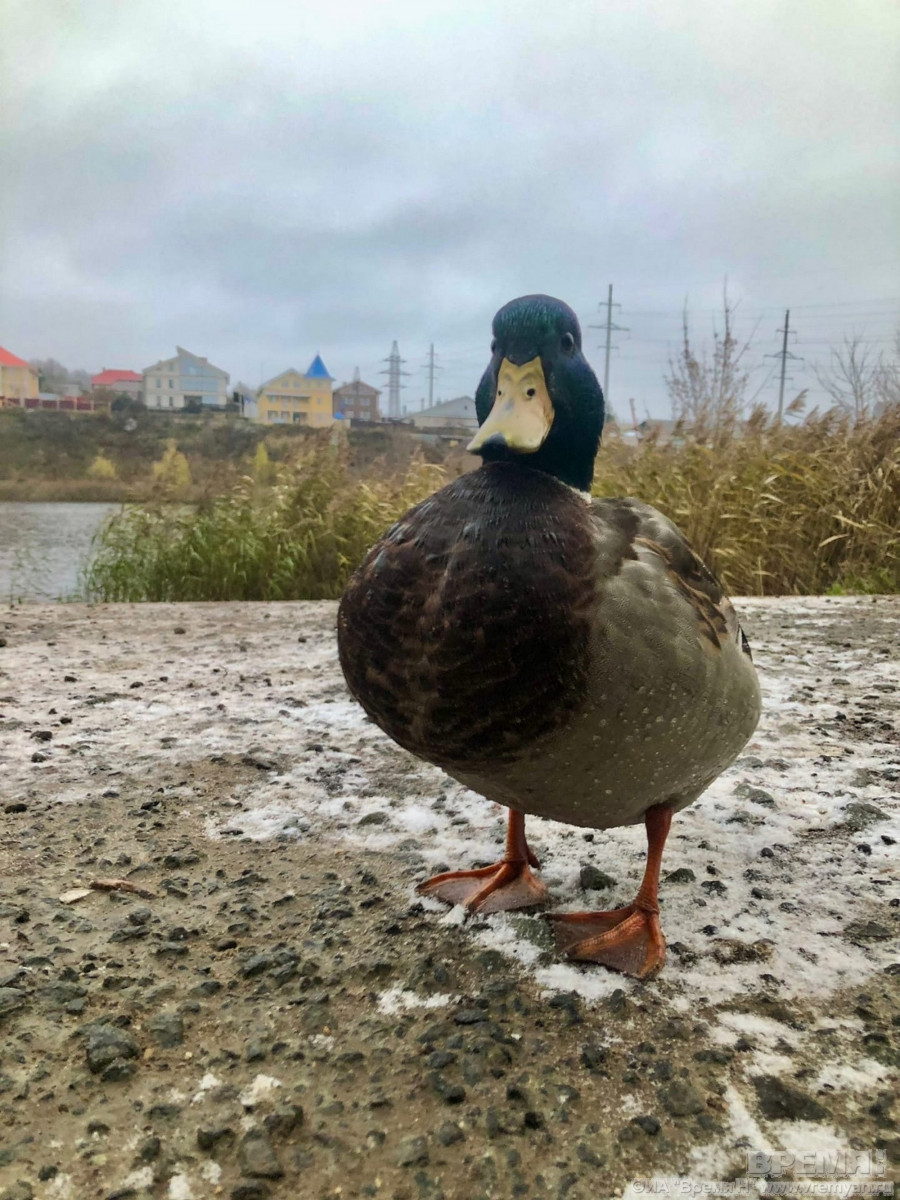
column 626, row 939
column 499, row 888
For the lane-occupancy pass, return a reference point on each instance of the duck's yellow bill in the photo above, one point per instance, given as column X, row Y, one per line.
column 522, row 413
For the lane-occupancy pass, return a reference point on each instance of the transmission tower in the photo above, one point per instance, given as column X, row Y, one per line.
column 610, row 326
column 394, row 373
column 784, row 354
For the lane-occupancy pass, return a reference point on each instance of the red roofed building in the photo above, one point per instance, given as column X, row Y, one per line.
column 124, row 383
column 18, row 381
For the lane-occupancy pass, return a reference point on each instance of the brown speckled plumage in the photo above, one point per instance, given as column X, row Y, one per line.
column 463, row 632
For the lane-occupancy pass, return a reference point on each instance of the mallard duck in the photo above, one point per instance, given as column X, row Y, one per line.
column 560, row 655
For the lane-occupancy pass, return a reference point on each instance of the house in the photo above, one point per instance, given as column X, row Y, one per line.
column 185, row 381
column 356, row 400
column 18, row 381
column 292, row 398
column 123, row 383
column 458, row 414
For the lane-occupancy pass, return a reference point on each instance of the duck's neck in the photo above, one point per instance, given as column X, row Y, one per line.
column 570, row 463
column 573, row 466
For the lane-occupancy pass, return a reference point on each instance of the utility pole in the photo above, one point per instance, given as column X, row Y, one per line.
column 394, row 373
column 784, row 354
column 431, row 366
column 431, row 375
column 611, row 328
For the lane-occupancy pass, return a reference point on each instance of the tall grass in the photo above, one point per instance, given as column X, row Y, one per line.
column 774, row 509
column 778, row 508
column 298, row 538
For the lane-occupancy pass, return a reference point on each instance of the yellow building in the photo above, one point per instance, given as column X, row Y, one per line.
column 19, row 381
column 294, row 399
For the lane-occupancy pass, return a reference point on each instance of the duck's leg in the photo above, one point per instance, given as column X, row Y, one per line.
column 507, row 884
column 626, row 939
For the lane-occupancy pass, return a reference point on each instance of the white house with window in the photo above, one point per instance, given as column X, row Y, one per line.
column 185, row 381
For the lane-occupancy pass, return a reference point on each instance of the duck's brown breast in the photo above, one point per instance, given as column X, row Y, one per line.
column 464, row 634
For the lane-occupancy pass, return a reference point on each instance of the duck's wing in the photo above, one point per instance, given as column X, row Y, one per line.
column 641, row 531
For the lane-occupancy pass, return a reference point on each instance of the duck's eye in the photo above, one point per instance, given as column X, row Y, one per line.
column 567, row 342
column 531, row 392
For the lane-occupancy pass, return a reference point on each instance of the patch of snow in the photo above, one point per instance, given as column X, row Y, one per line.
column 261, row 1087
column 416, row 819
column 744, row 1124
column 455, row 915
column 500, row 934
column 141, row 1178
column 206, row 1084
column 764, row 1028
column 210, row 1171
column 862, row 1078
column 809, row 1137
column 322, row 1041
column 180, row 1186
column 591, row 985
column 399, row 999
column 765, row 1062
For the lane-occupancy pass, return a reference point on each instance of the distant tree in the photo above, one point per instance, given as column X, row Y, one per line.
column 172, row 471
column 261, row 465
column 857, row 380
column 849, row 378
column 709, row 393
column 102, row 468
column 53, row 376
column 123, row 403
column 887, row 377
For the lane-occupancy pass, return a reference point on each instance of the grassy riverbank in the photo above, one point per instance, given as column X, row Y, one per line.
column 799, row 509
column 297, row 536
column 131, row 458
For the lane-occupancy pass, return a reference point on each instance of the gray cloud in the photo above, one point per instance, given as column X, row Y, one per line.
column 263, row 181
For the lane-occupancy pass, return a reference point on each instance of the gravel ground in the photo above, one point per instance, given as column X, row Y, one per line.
column 272, row 1013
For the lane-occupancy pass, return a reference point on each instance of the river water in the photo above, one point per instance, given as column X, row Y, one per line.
column 43, row 546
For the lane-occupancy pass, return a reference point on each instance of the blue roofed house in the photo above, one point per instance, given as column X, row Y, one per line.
column 292, row 398
column 185, row 381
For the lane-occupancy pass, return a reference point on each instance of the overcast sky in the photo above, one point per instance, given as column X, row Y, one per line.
column 260, row 181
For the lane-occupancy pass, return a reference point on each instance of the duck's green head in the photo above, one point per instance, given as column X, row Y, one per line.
column 539, row 402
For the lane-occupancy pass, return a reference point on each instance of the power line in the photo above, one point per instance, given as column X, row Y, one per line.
column 887, row 302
